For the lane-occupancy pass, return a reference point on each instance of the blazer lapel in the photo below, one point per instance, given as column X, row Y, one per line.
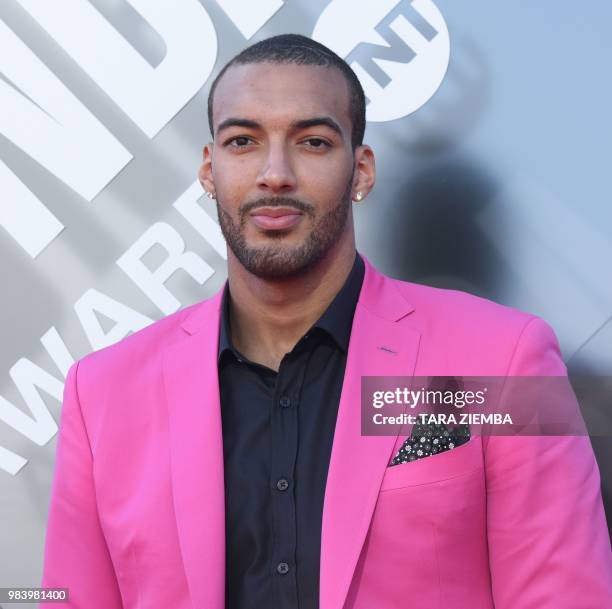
column 196, row 452
column 379, row 346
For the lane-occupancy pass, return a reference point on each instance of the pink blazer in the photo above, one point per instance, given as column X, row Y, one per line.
column 136, row 518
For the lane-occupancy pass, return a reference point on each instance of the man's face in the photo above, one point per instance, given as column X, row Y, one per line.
column 282, row 166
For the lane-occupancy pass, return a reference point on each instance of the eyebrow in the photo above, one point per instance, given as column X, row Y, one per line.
column 316, row 121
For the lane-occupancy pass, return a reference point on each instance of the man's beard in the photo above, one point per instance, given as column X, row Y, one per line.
column 282, row 261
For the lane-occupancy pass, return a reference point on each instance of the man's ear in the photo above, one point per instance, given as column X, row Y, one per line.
column 205, row 174
column 364, row 175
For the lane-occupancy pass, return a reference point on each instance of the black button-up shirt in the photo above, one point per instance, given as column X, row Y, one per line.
column 278, row 430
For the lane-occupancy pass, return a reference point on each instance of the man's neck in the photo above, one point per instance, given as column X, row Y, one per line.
column 268, row 317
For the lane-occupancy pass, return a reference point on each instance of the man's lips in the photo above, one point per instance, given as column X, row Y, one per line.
column 271, row 218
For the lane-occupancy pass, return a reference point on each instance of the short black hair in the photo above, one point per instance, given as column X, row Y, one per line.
column 300, row 50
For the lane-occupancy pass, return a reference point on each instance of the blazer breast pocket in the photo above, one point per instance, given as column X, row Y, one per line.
column 459, row 461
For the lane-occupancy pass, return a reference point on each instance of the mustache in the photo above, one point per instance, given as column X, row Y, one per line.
column 277, row 202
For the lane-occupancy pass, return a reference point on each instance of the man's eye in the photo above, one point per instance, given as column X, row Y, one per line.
column 239, row 141
column 317, row 142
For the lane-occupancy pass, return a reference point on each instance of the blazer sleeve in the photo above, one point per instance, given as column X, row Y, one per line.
column 76, row 555
column 549, row 545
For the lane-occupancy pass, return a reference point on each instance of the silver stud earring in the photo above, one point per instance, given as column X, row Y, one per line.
column 210, row 195
column 358, row 196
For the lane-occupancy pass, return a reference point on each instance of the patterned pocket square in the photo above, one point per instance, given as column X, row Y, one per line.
column 427, row 440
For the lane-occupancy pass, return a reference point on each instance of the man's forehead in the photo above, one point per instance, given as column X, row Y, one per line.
column 282, row 93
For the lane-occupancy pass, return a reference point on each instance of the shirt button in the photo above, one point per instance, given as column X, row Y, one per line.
column 285, row 402
column 282, row 568
column 282, row 484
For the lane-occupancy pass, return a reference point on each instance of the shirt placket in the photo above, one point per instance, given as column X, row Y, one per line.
column 284, row 440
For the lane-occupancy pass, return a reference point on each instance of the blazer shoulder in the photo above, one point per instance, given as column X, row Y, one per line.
column 476, row 334
column 140, row 347
column 457, row 312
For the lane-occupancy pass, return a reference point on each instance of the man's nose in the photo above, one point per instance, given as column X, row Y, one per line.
column 277, row 174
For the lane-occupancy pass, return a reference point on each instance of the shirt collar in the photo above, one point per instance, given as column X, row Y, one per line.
column 336, row 320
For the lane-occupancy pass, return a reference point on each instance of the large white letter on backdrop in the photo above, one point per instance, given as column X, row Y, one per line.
column 27, row 376
column 420, row 61
column 128, row 320
column 43, row 118
column 23, row 216
column 150, row 96
column 152, row 282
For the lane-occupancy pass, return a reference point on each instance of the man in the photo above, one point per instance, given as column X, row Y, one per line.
column 215, row 459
